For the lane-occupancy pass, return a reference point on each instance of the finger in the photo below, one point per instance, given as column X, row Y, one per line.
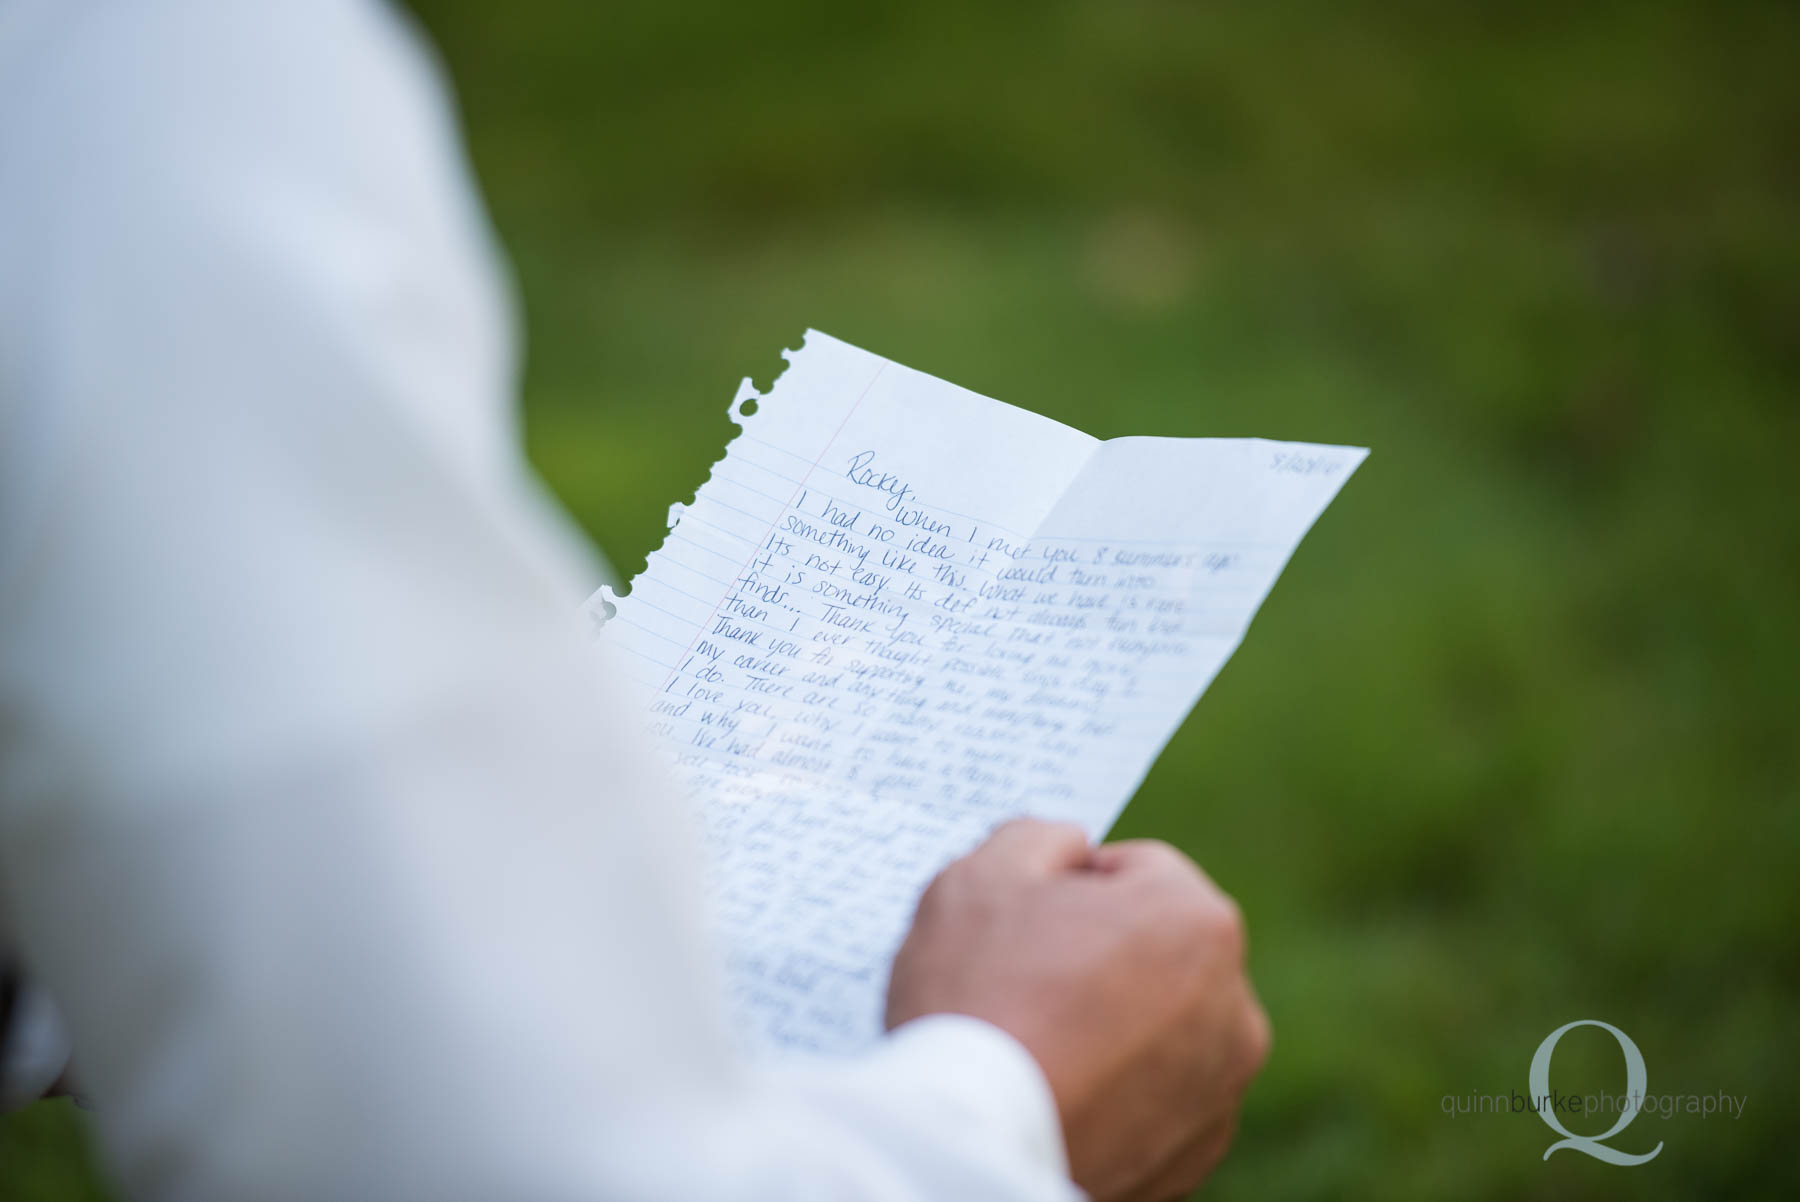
column 1145, row 856
column 1182, row 1173
column 1257, row 1035
column 1034, row 846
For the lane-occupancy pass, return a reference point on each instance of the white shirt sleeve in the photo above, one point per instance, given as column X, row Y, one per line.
column 316, row 818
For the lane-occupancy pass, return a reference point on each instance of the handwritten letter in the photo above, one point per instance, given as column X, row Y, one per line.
column 899, row 613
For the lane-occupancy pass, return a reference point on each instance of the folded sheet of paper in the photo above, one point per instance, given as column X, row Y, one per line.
column 899, row 613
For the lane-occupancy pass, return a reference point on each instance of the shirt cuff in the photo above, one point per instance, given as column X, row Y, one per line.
column 988, row 1076
column 36, row 1050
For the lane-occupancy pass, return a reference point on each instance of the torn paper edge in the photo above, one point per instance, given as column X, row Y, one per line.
column 603, row 606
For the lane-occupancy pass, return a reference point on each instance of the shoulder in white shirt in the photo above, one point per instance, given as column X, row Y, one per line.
column 314, row 815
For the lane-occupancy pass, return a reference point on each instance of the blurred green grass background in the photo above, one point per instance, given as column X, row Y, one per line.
column 1513, row 742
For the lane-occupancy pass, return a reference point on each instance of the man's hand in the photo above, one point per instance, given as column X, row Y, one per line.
column 1121, row 969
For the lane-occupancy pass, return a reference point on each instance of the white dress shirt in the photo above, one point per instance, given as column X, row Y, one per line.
column 344, row 864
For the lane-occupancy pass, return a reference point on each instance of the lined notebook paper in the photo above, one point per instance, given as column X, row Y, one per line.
column 899, row 613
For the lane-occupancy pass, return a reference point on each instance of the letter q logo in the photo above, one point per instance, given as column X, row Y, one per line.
column 1635, row 1077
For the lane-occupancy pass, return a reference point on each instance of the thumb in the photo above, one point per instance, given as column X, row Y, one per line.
column 1034, row 847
